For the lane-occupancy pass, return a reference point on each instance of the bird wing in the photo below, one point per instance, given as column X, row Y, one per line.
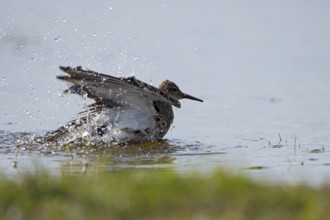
column 114, row 91
column 128, row 102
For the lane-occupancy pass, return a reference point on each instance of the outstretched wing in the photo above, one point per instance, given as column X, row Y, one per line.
column 129, row 103
column 124, row 103
column 114, row 91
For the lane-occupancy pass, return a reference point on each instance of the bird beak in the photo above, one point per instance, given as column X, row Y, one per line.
column 186, row 96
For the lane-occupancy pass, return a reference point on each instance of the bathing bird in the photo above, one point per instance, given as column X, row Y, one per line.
column 125, row 109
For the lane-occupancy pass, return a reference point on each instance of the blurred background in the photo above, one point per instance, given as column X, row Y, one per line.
column 262, row 67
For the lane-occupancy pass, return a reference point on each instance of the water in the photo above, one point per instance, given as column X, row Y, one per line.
column 262, row 70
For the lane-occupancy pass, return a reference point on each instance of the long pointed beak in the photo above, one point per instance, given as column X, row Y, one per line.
column 186, row 96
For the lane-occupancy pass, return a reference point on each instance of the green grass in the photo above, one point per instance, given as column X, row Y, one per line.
column 156, row 194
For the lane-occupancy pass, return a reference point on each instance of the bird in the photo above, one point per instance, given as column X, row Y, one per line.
column 125, row 109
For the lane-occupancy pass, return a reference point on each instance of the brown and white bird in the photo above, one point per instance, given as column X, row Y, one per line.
column 126, row 110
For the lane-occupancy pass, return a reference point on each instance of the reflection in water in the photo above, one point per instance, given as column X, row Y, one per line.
column 281, row 159
column 83, row 157
column 284, row 160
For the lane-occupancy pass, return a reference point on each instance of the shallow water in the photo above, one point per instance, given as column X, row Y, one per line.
column 261, row 69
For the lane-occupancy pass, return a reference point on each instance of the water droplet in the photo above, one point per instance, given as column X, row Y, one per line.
column 27, row 112
column 58, row 38
column 3, row 82
column 94, row 34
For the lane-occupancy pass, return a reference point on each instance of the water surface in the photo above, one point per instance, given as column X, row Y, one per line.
column 262, row 70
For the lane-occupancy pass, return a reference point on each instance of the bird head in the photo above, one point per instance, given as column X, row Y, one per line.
column 173, row 90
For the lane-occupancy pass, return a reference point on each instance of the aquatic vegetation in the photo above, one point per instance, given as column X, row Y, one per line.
column 156, row 194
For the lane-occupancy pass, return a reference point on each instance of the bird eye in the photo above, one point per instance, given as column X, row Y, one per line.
column 174, row 90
